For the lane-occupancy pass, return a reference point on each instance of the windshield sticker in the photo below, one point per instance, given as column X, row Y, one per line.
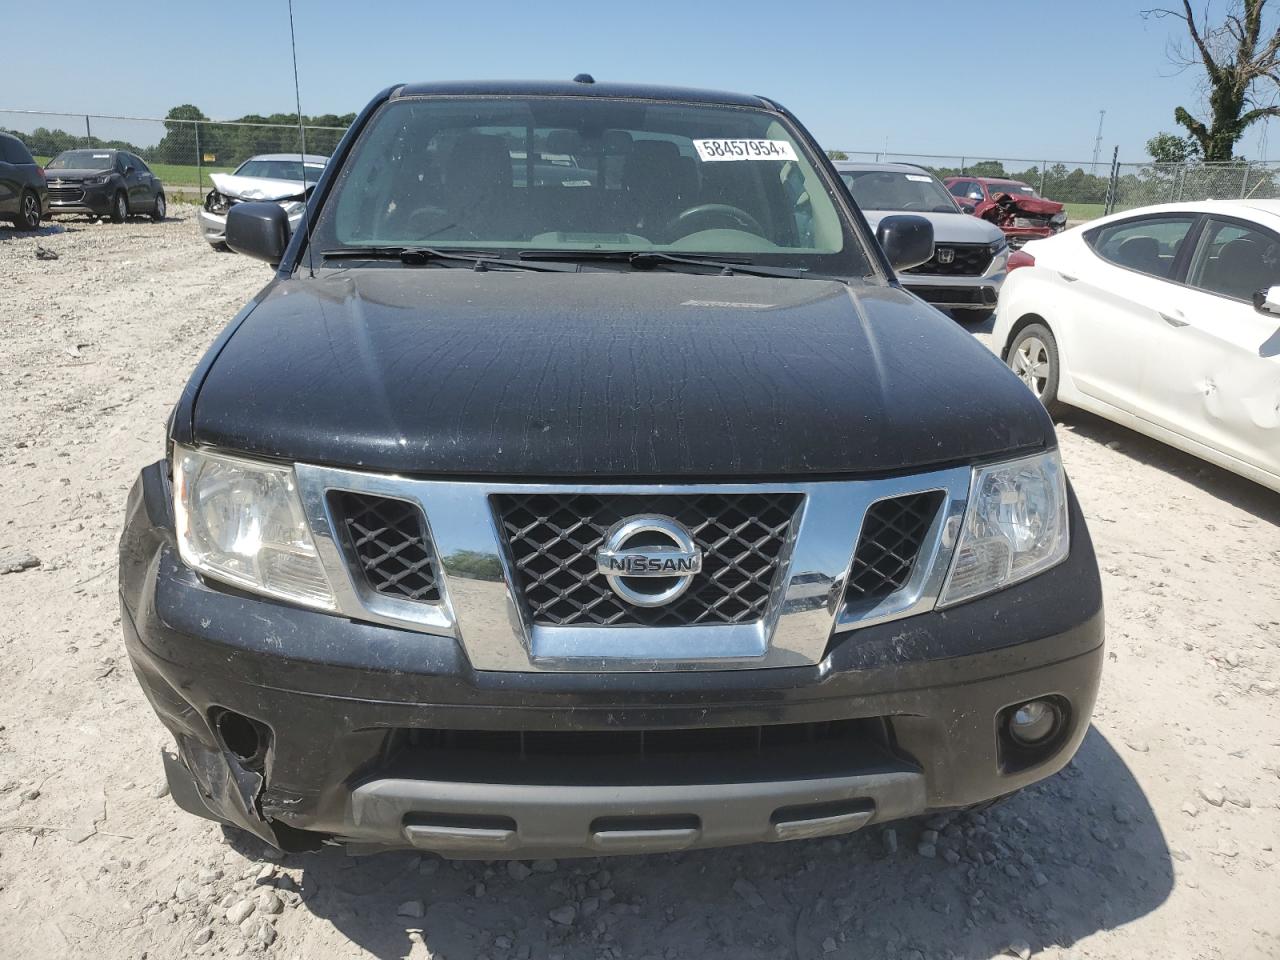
column 102, row 156
column 710, row 151
column 917, row 178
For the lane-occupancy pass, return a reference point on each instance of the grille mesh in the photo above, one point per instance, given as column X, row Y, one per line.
column 390, row 540
column 971, row 260
column 892, row 533
column 553, row 540
column 66, row 194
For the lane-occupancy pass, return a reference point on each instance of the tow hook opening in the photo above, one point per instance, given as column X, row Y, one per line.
column 244, row 738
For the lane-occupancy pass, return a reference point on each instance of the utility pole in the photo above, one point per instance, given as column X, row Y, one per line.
column 1097, row 144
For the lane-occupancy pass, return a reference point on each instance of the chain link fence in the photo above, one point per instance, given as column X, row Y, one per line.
column 182, row 153
column 1092, row 189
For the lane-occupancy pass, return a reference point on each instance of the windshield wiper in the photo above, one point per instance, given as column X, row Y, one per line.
column 416, row 256
column 648, row 259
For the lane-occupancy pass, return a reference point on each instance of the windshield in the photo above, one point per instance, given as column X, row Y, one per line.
column 897, row 190
column 587, row 174
column 279, row 170
column 1009, row 186
column 81, row 160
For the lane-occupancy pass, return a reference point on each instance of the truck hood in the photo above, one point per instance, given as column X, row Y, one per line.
column 947, row 227
column 257, row 188
column 605, row 374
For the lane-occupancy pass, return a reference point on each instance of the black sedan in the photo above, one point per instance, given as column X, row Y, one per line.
column 23, row 194
column 104, row 183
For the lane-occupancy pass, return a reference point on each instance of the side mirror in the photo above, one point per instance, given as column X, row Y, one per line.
column 259, row 230
column 129, row 168
column 1267, row 301
column 906, row 240
column 967, row 208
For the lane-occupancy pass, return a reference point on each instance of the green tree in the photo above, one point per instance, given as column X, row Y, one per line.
column 837, row 155
column 986, row 168
column 178, row 145
column 1170, row 148
column 1241, row 62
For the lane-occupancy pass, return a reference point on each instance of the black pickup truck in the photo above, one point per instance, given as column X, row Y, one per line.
column 584, row 482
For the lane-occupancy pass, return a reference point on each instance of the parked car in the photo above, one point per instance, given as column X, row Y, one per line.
column 968, row 263
column 479, row 527
column 1165, row 319
column 24, row 196
column 285, row 178
column 1012, row 205
column 104, row 183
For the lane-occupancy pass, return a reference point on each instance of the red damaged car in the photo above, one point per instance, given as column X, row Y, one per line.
column 1011, row 205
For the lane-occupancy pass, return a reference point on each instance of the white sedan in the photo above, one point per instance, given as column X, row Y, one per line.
column 1165, row 319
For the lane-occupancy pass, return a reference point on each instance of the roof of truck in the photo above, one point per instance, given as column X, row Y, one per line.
column 571, row 88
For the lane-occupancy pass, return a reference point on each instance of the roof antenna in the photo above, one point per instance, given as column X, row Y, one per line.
column 302, row 158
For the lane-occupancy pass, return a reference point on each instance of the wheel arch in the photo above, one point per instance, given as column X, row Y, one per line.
column 1024, row 321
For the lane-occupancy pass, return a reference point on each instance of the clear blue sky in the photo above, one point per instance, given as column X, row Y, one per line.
column 1021, row 79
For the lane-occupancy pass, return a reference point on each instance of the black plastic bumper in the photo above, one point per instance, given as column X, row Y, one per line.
column 337, row 705
column 95, row 202
column 981, row 297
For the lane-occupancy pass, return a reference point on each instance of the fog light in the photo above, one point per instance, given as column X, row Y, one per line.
column 1034, row 721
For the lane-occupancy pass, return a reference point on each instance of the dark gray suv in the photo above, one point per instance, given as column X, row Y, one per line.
column 104, row 183
column 23, row 193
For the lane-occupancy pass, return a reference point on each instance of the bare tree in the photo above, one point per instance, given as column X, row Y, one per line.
column 1242, row 72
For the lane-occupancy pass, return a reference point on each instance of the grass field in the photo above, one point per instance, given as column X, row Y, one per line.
column 176, row 174
column 1083, row 211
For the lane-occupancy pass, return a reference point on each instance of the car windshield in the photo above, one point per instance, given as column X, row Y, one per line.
column 279, row 170
column 1009, row 186
column 897, row 190
column 564, row 174
column 81, row 160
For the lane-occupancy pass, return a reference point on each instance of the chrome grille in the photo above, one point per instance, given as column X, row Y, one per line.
column 893, row 531
column 390, row 542
column 553, row 539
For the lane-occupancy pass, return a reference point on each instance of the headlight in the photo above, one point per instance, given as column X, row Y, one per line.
column 998, row 246
column 1014, row 527
column 1059, row 218
column 98, row 180
column 293, row 206
column 242, row 522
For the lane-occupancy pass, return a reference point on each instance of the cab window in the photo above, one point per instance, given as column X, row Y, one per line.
column 1148, row 245
column 1235, row 260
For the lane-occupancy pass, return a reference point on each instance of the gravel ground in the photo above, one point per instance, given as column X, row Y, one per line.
column 1159, row 839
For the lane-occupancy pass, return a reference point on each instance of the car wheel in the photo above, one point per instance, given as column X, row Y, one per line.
column 28, row 212
column 119, row 207
column 1033, row 356
column 971, row 316
column 158, row 213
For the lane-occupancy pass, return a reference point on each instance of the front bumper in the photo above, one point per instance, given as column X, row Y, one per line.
column 973, row 293
column 350, row 744
column 1017, row 236
column 213, row 226
column 93, row 200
